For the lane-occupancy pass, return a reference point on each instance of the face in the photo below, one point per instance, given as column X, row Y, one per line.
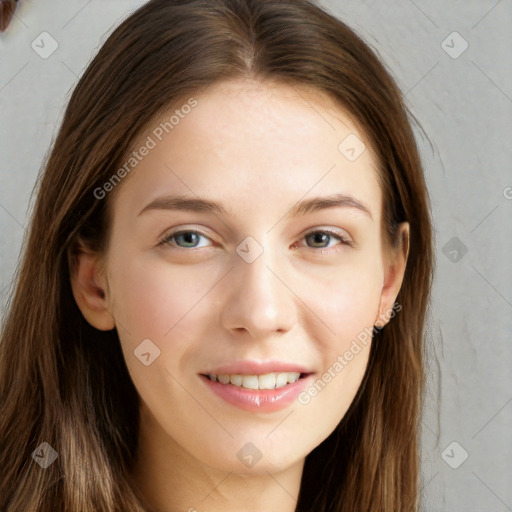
column 255, row 291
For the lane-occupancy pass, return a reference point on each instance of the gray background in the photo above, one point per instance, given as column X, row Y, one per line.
column 464, row 105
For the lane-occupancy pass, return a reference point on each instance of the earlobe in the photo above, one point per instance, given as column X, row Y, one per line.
column 88, row 286
column 394, row 272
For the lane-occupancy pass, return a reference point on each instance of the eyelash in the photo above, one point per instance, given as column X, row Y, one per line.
column 166, row 241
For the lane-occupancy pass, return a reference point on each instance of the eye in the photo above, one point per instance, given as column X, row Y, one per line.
column 184, row 239
column 320, row 238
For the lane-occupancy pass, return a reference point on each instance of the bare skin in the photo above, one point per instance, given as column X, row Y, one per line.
column 256, row 148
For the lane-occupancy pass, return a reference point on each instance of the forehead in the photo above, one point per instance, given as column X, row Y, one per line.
column 254, row 143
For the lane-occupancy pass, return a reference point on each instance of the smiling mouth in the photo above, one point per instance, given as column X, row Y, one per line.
column 272, row 380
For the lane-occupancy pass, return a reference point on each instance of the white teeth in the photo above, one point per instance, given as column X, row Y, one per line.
column 267, row 381
column 281, row 380
column 236, row 380
column 293, row 376
column 250, row 381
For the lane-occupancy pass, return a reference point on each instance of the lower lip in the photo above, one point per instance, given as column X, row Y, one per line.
column 258, row 400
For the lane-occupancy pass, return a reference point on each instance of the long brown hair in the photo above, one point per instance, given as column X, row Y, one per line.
column 65, row 383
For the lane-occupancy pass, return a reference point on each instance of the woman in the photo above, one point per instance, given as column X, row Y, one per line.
column 222, row 297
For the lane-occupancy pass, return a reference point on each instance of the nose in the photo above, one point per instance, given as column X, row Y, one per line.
column 259, row 301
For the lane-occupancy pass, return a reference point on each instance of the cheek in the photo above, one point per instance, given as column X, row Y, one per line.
column 158, row 302
column 348, row 305
column 166, row 304
column 346, row 300
column 153, row 300
column 354, row 308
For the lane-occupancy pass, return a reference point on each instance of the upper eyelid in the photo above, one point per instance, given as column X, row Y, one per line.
column 330, row 231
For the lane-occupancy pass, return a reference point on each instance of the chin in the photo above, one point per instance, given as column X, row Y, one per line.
column 257, row 457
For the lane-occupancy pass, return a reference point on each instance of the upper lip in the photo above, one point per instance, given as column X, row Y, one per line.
column 257, row 368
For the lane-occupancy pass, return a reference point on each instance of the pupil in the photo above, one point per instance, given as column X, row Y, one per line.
column 320, row 238
column 189, row 238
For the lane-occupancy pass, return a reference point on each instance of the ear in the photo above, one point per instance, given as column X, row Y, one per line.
column 394, row 269
column 90, row 288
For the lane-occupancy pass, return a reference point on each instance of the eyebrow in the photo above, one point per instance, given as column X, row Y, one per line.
column 197, row 204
